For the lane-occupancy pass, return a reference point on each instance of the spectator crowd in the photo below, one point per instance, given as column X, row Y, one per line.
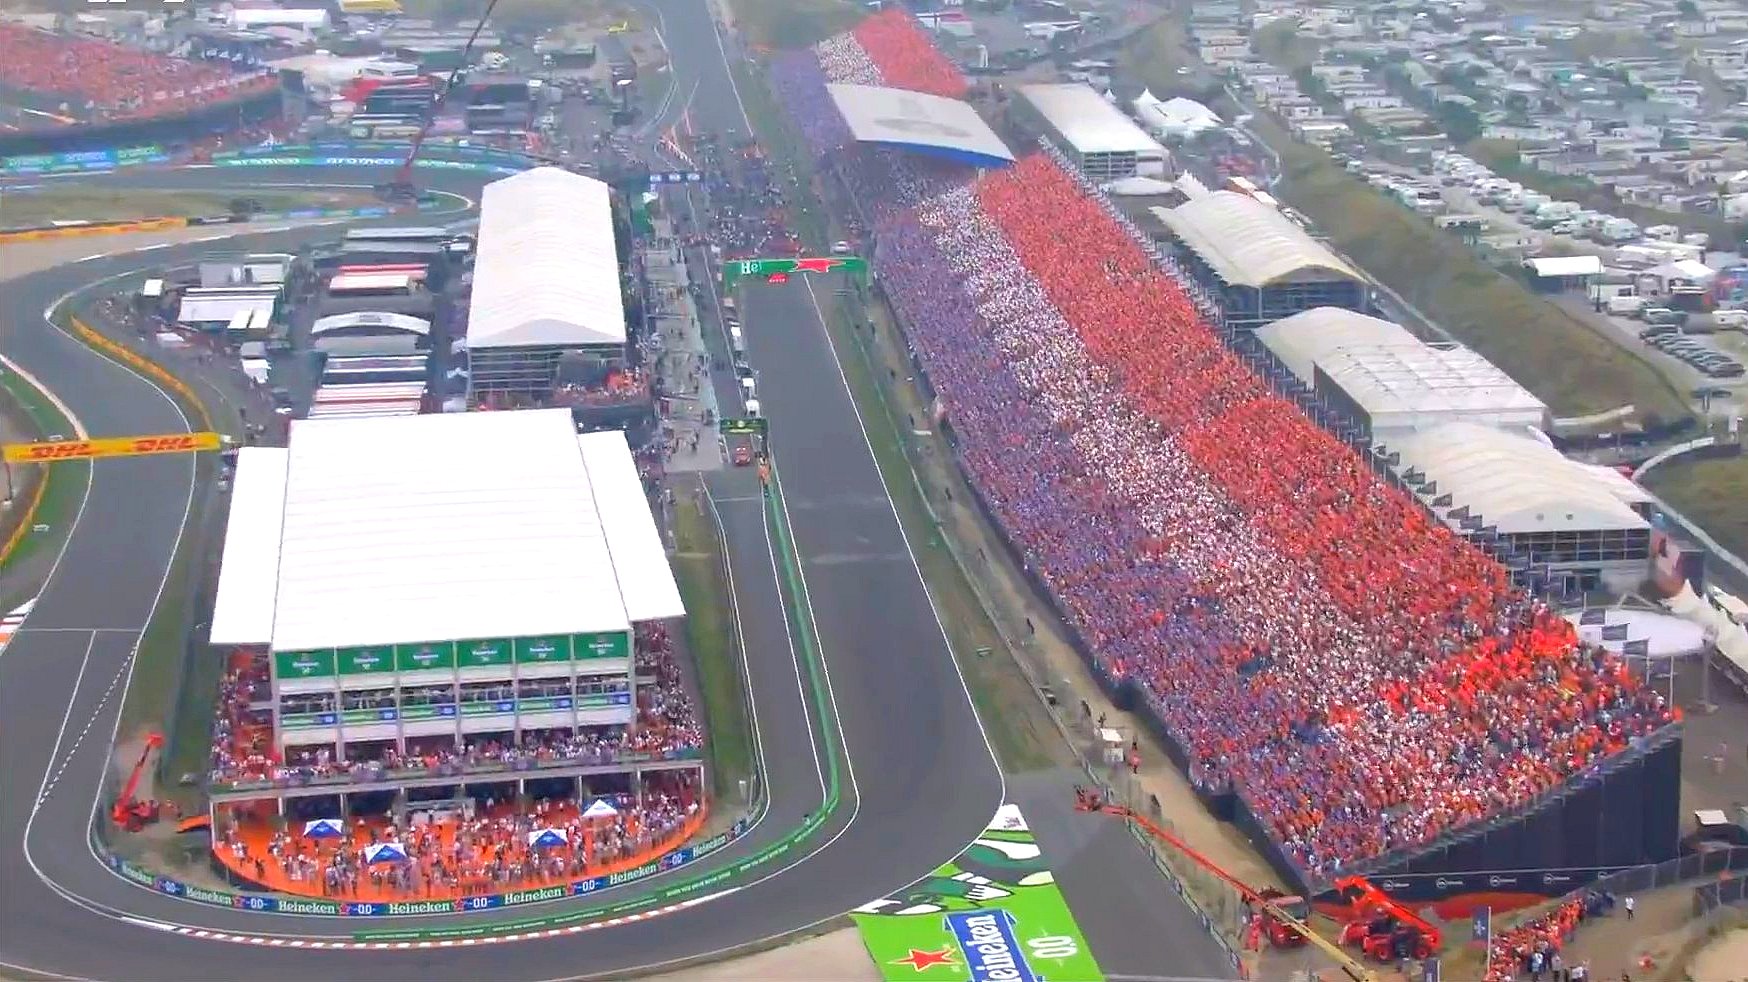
column 1361, row 676
column 101, row 80
column 444, row 853
column 667, row 725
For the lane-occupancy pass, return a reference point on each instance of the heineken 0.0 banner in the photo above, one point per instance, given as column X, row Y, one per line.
column 993, row 914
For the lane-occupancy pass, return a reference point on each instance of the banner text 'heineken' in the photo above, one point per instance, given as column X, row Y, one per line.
column 993, row 914
column 450, row 655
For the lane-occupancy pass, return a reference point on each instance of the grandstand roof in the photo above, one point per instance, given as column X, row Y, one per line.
column 249, row 566
column 1302, row 340
column 1514, row 481
column 1248, row 243
column 919, row 122
column 1085, row 120
column 546, row 270
column 1400, row 385
column 439, row 527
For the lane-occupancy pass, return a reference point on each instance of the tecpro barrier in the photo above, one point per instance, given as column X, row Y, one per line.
column 312, row 906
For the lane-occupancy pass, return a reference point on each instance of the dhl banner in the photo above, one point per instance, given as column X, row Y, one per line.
column 115, row 446
column 96, row 228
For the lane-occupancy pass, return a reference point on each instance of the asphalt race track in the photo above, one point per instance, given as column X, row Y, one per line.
column 918, row 780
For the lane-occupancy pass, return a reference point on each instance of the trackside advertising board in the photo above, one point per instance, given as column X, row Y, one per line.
column 993, row 914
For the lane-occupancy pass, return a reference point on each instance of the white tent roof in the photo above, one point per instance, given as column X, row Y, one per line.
column 1406, row 385
column 918, row 121
column 1685, row 269
column 1189, row 111
column 457, row 526
column 546, row 273
column 1086, row 120
column 1249, row 243
column 1566, row 265
column 249, row 568
column 1304, row 339
column 639, row 559
column 1513, row 481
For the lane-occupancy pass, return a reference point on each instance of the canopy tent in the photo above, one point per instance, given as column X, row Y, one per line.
column 920, row 123
column 324, row 828
column 547, row 838
column 385, row 852
column 599, row 808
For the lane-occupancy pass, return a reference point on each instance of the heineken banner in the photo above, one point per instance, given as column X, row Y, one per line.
column 993, row 913
column 411, row 908
column 445, row 655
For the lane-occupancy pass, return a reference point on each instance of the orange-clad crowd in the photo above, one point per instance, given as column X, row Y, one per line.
column 1364, row 678
column 101, row 80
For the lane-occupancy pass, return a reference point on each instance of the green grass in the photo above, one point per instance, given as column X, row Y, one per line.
column 1712, row 493
column 61, row 497
column 793, row 23
column 1570, row 363
column 72, row 203
column 1012, row 714
column 710, row 635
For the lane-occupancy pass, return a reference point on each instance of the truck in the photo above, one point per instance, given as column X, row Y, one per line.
column 1553, row 213
column 1624, row 305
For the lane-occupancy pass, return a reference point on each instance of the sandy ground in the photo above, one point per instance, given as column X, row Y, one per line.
column 1724, row 960
column 834, row 957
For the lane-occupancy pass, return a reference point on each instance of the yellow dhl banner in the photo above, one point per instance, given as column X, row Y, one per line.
column 114, row 446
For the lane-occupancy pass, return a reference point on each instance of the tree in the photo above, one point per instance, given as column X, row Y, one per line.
column 1458, row 121
column 1687, row 8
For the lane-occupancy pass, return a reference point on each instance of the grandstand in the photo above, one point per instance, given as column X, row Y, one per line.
column 1576, row 526
column 1104, row 144
column 546, row 281
column 396, row 591
column 1382, row 381
column 1313, row 644
column 1260, row 265
column 94, row 80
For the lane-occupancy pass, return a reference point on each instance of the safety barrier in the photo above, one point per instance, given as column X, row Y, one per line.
column 82, row 160
column 318, row 907
column 145, row 366
column 90, row 229
column 26, row 521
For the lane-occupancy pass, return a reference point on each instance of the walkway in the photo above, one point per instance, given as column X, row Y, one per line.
column 682, row 360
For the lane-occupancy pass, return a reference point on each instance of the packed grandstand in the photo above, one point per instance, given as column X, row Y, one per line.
column 94, row 80
column 1362, row 678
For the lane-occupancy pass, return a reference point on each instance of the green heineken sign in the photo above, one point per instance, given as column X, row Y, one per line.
column 484, row 653
column 425, row 657
column 303, row 664
column 779, row 270
column 366, row 661
column 743, row 425
column 550, row 648
column 616, row 644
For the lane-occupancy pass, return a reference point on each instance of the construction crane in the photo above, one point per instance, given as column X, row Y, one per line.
column 402, row 187
column 1384, row 929
column 1284, row 915
column 128, row 812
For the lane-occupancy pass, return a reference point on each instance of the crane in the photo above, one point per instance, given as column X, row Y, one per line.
column 1384, row 929
column 1286, row 915
column 402, row 187
column 128, row 812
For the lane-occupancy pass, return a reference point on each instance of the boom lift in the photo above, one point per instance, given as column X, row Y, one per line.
column 128, row 812
column 1384, row 929
column 402, row 187
column 1283, row 916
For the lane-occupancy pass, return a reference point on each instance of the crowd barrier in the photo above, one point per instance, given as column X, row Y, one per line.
column 90, row 229
column 214, row 119
column 326, row 154
column 319, row 907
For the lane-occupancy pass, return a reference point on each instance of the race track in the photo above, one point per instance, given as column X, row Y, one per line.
column 918, row 780
column 916, row 777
